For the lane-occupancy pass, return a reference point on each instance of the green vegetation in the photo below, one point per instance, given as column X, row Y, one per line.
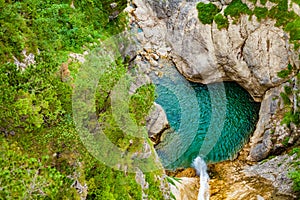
column 295, row 176
column 41, row 154
column 207, row 12
column 236, row 8
column 260, row 13
column 54, row 25
column 285, row 98
column 288, row 90
column 290, row 116
column 263, row 2
column 289, row 20
column 295, row 150
column 253, row 1
column 221, row 21
column 23, row 176
column 296, row 1
column 286, row 72
column 285, row 141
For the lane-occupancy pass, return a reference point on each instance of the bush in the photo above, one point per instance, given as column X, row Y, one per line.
column 286, row 72
column 294, row 29
column 285, row 98
column 260, row 12
column 24, row 176
column 263, row 2
column 236, row 8
column 295, row 176
column 288, row 90
column 291, row 117
column 221, row 21
column 207, row 12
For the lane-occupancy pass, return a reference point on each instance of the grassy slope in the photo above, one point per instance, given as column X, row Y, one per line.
column 41, row 154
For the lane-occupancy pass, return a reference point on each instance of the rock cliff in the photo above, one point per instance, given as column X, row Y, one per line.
column 250, row 52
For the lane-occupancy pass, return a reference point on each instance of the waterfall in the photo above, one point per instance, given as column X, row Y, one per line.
column 201, row 169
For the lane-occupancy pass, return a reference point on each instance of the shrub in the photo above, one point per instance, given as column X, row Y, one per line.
column 295, row 176
column 236, row 8
column 291, row 117
column 260, row 12
column 288, row 90
column 285, row 141
column 263, row 2
column 294, row 28
column 221, row 21
column 286, row 72
column 207, row 12
column 285, row 98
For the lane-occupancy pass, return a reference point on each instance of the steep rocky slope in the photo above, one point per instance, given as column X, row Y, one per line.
column 251, row 51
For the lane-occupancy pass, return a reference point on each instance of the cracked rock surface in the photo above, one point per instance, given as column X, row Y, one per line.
column 248, row 52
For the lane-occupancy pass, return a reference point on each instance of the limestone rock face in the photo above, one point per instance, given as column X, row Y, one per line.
column 271, row 135
column 157, row 122
column 276, row 171
column 248, row 52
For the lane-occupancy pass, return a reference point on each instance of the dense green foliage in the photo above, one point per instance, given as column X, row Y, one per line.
column 285, row 98
column 221, row 21
column 260, row 13
column 23, row 176
column 41, row 155
column 263, row 2
column 236, row 8
column 295, row 176
column 207, row 12
column 286, row 72
column 33, row 99
column 52, row 25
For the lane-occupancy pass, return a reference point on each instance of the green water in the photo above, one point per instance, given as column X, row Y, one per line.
column 213, row 121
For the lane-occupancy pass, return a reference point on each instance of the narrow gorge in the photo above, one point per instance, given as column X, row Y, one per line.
column 179, row 54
